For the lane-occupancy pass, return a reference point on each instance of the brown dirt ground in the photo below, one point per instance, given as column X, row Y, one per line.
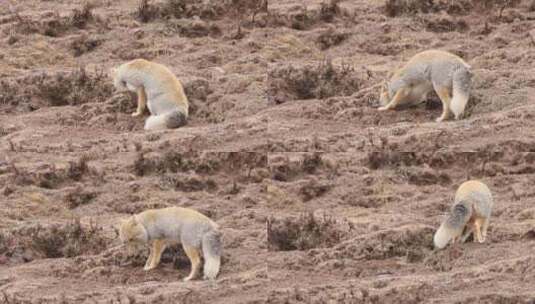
column 321, row 198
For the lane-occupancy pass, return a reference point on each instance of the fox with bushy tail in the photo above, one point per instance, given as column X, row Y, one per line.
column 445, row 73
column 158, row 89
column 199, row 236
column 469, row 214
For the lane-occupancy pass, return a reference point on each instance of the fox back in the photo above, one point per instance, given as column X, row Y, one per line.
column 478, row 195
column 430, row 70
column 472, row 199
column 174, row 223
column 164, row 91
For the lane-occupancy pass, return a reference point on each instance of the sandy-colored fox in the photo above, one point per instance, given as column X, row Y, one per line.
column 441, row 71
column 198, row 235
column 470, row 214
column 157, row 88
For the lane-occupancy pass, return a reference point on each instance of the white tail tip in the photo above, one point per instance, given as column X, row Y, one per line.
column 442, row 237
column 211, row 267
column 458, row 104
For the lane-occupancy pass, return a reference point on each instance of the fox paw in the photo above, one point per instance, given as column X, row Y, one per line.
column 382, row 108
column 135, row 114
column 187, row 279
column 147, row 268
column 439, row 119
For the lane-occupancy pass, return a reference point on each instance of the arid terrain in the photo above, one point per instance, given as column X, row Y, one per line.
column 321, row 198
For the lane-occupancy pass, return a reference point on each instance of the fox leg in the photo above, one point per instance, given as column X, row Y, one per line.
column 150, row 258
column 477, row 231
column 444, row 95
column 484, row 228
column 400, row 96
column 195, row 259
column 159, row 246
column 469, row 230
column 141, row 101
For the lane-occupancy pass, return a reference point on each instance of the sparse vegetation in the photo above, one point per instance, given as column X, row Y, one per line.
column 146, row 11
column 330, row 38
column 73, row 88
column 50, row 177
column 193, row 28
column 313, row 189
column 235, row 163
column 329, row 10
column 149, row 11
column 242, row 8
column 187, row 183
column 394, row 8
column 283, row 170
column 79, row 197
column 81, row 17
column 54, row 241
column 302, row 233
column 321, row 81
column 67, row 240
column 84, row 44
column 55, row 25
column 413, row 243
column 531, row 7
column 263, row 201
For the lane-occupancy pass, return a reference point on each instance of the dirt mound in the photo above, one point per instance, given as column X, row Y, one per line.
column 55, row 241
column 55, row 89
column 320, row 197
column 289, row 83
column 305, row 232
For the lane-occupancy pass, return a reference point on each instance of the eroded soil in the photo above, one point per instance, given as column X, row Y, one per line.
column 321, row 198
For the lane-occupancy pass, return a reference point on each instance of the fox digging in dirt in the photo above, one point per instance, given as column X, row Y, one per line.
column 469, row 214
column 158, row 89
column 198, row 235
column 441, row 71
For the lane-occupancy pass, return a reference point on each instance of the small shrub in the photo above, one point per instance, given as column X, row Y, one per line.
column 328, row 11
column 80, row 17
column 241, row 8
column 67, row 240
column 322, row 81
column 302, row 20
column 394, row 8
column 25, row 25
column 79, row 197
column 444, row 24
column 70, row 239
column 50, row 177
column 331, row 38
column 146, row 12
column 77, row 169
column 311, row 162
column 303, row 233
column 193, row 28
column 17, row 95
column 313, row 189
column 83, row 45
column 142, row 166
column 175, row 8
column 187, row 183
column 531, row 7
column 73, row 88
